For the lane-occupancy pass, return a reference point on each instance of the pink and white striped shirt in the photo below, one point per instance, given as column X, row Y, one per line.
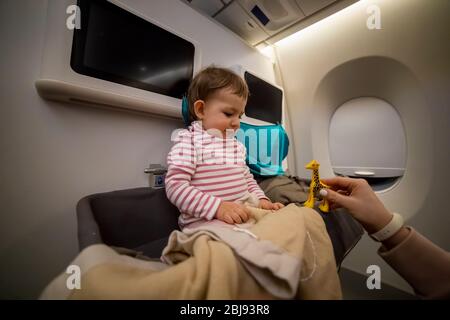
column 203, row 171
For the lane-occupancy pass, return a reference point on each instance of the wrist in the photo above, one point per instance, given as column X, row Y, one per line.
column 396, row 239
column 395, row 225
column 382, row 220
column 218, row 212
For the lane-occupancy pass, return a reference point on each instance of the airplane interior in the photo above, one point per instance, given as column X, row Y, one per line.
column 95, row 92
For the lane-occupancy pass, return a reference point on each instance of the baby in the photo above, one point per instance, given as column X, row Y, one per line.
column 207, row 175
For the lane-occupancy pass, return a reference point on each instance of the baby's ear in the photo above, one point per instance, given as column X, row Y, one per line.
column 199, row 109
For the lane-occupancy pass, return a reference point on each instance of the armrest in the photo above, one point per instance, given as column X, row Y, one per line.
column 126, row 218
column 88, row 232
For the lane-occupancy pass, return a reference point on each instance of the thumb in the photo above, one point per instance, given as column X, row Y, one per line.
column 336, row 198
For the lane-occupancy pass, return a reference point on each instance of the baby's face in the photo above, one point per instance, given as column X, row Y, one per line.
column 223, row 111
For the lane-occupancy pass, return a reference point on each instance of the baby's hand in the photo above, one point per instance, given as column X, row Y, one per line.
column 268, row 205
column 232, row 212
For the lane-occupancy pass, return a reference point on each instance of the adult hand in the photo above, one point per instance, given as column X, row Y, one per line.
column 232, row 212
column 357, row 197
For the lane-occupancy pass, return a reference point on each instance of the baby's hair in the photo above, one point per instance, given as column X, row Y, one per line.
column 211, row 79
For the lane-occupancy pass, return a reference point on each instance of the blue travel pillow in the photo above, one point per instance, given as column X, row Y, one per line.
column 267, row 160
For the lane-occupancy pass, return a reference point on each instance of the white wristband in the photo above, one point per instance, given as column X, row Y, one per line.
column 390, row 229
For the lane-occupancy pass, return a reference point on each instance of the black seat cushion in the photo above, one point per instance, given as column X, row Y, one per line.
column 126, row 218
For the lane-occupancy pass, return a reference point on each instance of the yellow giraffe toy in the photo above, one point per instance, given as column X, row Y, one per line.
column 314, row 188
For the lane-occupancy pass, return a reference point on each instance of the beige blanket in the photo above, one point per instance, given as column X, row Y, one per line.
column 207, row 268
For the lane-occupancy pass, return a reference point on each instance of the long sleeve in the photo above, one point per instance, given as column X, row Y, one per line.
column 181, row 167
column 253, row 186
column 425, row 266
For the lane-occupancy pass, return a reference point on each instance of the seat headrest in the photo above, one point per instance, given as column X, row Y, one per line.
column 267, row 146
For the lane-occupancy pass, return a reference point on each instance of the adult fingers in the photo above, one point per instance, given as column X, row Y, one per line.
column 343, row 192
column 341, row 183
column 336, row 198
column 334, row 206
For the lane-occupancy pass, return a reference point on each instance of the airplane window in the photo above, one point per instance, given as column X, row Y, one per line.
column 367, row 140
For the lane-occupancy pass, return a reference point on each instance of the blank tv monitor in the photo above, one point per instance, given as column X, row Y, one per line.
column 115, row 45
column 265, row 100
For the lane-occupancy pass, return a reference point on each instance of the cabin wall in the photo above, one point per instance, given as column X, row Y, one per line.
column 53, row 154
column 406, row 63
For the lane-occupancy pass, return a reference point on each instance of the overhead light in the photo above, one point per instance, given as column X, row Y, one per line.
column 351, row 9
column 267, row 50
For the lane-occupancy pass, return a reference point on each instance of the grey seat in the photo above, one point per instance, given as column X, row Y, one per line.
column 141, row 219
